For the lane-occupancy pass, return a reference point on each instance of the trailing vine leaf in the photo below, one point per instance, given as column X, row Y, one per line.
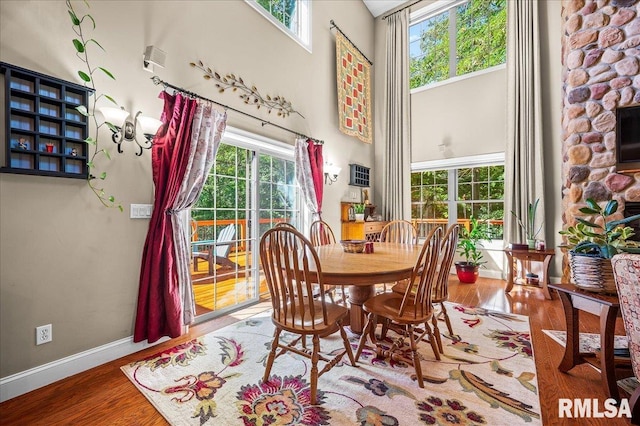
column 250, row 95
column 81, row 43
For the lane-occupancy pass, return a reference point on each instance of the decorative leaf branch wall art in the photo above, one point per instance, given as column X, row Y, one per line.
column 250, row 95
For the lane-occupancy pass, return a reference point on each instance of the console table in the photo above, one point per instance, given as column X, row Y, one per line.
column 608, row 308
column 543, row 256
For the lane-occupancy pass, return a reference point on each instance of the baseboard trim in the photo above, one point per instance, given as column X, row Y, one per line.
column 37, row 377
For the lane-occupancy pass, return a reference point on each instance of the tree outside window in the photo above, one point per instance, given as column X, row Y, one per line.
column 293, row 17
column 282, row 10
column 475, row 31
column 477, row 192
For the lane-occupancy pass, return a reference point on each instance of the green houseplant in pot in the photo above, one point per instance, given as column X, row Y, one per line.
column 469, row 248
column 359, row 211
column 592, row 245
column 528, row 225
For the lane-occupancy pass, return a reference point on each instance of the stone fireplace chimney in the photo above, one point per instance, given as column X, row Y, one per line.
column 601, row 72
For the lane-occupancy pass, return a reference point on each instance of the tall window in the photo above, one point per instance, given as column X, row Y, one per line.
column 440, row 197
column 452, row 38
column 291, row 16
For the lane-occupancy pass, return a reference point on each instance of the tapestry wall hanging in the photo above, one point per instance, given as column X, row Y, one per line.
column 354, row 90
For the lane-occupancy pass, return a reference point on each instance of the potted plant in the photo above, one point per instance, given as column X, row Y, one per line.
column 528, row 225
column 469, row 248
column 592, row 245
column 359, row 211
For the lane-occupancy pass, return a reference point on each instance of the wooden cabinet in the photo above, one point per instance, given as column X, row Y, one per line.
column 352, row 230
column 369, row 231
column 44, row 131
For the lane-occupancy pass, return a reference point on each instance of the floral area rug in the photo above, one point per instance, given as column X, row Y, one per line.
column 486, row 376
column 589, row 342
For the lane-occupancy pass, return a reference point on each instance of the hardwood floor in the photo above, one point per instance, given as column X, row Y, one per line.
column 104, row 396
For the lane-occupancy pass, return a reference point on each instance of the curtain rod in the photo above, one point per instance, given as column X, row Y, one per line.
column 333, row 25
column 401, row 9
column 157, row 80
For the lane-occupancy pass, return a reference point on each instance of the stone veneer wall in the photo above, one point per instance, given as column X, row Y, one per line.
column 601, row 72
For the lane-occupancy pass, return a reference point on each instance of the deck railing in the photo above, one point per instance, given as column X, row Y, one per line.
column 424, row 226
column 209, row 229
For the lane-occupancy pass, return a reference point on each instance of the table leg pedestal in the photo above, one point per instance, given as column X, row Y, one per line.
column 357, row 296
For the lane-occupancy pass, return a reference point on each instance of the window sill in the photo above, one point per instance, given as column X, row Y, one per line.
column 458, row 78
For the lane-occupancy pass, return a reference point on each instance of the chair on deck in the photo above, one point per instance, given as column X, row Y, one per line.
column 404, row 312
column 285, row 255
column 218, row 252
column 441, row 285
column 321, row 234
column 626, row 272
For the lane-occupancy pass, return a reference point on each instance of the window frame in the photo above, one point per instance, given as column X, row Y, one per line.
column 452, row 165
column 434, row 9
column 303, row 11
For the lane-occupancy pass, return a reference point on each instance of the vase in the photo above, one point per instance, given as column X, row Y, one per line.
column 467, row 272
column 532, row 244
column 359, row 217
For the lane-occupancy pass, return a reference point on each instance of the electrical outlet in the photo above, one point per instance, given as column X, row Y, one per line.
column 44, row 334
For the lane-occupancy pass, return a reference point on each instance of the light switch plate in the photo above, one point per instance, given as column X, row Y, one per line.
column 141, row 211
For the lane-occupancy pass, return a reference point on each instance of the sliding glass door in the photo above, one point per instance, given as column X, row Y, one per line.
column 250, row 188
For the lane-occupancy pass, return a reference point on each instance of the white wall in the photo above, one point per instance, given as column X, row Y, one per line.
column 468, row 115
column 68, row 261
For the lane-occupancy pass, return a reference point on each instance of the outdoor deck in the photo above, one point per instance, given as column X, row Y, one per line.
column 213, row 294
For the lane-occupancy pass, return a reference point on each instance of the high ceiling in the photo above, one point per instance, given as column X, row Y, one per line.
column 378, row 7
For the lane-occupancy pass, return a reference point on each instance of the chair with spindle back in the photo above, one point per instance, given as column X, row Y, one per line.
column 398, row 231
column 441, row 285
column 285, row 255
column 285, row 225
column 321, row 234
column 403, row 313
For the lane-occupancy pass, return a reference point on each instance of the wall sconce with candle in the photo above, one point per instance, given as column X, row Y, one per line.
column 331, row 172
column 124, row 127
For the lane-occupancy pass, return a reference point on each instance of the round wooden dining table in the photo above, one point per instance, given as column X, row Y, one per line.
column 388, row 263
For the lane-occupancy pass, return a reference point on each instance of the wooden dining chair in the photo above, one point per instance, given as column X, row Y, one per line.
column 404, row 312
column 285, row 255
column 285, row 225
column 401, row 232
column 441, row 284
column 321, row 234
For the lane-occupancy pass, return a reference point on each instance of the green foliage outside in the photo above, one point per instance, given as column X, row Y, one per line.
column 481, row 42
column 226, row 194
column 480, row 195
column 282, row 10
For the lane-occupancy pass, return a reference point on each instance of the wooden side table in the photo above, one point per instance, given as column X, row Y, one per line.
column 543, row 256
column 608, row 310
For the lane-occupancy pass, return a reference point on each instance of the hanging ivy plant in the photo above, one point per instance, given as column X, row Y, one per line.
column 82, row 44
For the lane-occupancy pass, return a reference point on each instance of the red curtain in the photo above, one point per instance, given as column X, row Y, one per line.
column 159, row 310
column 317, row 171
